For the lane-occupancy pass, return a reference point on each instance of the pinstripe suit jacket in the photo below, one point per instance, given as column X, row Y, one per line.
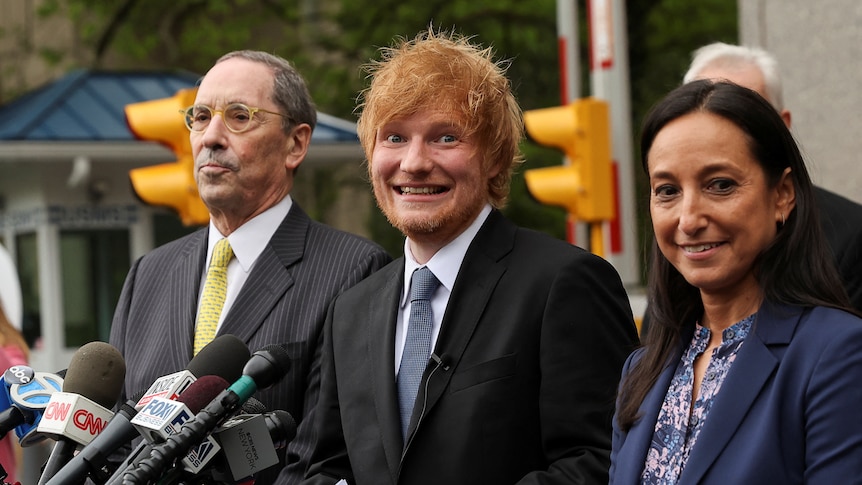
column 284, row 300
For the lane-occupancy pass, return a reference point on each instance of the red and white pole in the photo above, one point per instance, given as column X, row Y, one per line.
column 609, row 80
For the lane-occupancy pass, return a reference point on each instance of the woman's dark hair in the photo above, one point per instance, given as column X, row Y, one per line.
column 797, row 267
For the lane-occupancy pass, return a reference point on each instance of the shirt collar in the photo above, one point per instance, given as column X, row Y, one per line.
column 446, row 263
column 249, row 239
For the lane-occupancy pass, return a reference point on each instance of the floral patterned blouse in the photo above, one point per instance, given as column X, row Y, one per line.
column 678, row 424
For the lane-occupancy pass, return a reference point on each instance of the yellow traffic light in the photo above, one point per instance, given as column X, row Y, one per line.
column 169, row 184
column 581, row 130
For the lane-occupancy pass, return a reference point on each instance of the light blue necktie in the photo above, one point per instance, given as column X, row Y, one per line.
column 417, row 347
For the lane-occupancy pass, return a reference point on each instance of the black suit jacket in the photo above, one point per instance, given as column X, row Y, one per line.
column 841, row 220
column 284, row 300
column 521, row 385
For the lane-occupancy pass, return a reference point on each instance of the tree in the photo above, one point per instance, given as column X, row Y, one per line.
column 328, row 40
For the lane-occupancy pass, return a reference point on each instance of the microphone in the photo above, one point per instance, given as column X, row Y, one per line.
column 439, row 361
column 161, row 418
column 78, row 413
column 263, row 369
column 16, row 374
column 253, row 406
column 25, row 394
column 250, row 443
column 224, row 356
column 201, row 392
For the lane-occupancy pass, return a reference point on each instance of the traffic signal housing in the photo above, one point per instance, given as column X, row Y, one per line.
column 169, row 184
column 581, row 130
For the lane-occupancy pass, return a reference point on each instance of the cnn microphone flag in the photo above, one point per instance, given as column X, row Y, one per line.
column 73, row 416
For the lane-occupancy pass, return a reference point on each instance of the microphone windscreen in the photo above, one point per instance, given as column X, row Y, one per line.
column 253, row 406
column 137, row 396
column 282, row 428
column 202, row 391
column 96, row 371
column 267, row 366
column 224, row 356
column 281, row 358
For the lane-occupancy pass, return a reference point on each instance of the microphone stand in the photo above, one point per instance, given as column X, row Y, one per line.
column 62, row 453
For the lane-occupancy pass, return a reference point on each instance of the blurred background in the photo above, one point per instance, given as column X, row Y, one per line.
column 70, row 223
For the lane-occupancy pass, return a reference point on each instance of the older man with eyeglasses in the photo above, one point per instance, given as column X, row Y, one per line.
column 250, row 129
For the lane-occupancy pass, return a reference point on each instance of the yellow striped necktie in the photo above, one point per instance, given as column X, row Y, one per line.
column 212, row 300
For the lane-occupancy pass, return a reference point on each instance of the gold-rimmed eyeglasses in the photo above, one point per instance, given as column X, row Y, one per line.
column 237, row 117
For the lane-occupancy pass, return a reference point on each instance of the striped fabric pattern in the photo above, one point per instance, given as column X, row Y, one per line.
column 284, row 301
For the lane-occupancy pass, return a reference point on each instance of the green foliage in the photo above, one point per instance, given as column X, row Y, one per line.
column 52, row 57
column 662, row 36
column 385, row 235
column 47, row 8
column 328, row 40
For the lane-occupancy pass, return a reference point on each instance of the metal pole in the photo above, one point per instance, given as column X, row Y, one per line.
column 609, row 75
column 570, row 89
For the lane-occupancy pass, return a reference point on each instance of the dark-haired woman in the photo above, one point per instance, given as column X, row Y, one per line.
column 752, row 370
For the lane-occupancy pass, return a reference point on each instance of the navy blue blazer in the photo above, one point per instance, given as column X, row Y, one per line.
column 789, row 410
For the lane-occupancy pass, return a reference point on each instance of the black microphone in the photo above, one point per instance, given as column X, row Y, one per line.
column 250, row 444
column 439, row 361
column 278, row 425
column 198, row 394
column 263, row 369
column 224, row 357
column 162, row 418
column 253, row 406
column 92, row 385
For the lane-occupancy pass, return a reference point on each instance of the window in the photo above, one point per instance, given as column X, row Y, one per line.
column 94, row 265
column 28, row 274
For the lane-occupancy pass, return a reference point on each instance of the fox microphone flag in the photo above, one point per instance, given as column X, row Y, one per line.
column 263, row 369
column 161, row 418
column 223, row 357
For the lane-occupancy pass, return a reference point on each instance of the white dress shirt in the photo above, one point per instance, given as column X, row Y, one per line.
column 247, row 243
column 445, row 265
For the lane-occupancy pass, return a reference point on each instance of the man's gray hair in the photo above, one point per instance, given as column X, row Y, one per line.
column 720, row 55
column 289, row 90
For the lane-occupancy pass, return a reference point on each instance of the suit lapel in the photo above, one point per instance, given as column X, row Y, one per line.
column 185, row 288
column 632, row 456
column 751, row 370
column 381, row 318
column 269, row 279
column 477, row 278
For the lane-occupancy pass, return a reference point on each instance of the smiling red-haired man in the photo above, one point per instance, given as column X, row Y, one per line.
column 524, row 335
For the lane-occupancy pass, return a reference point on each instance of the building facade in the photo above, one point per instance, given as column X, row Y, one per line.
column 819, row 49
